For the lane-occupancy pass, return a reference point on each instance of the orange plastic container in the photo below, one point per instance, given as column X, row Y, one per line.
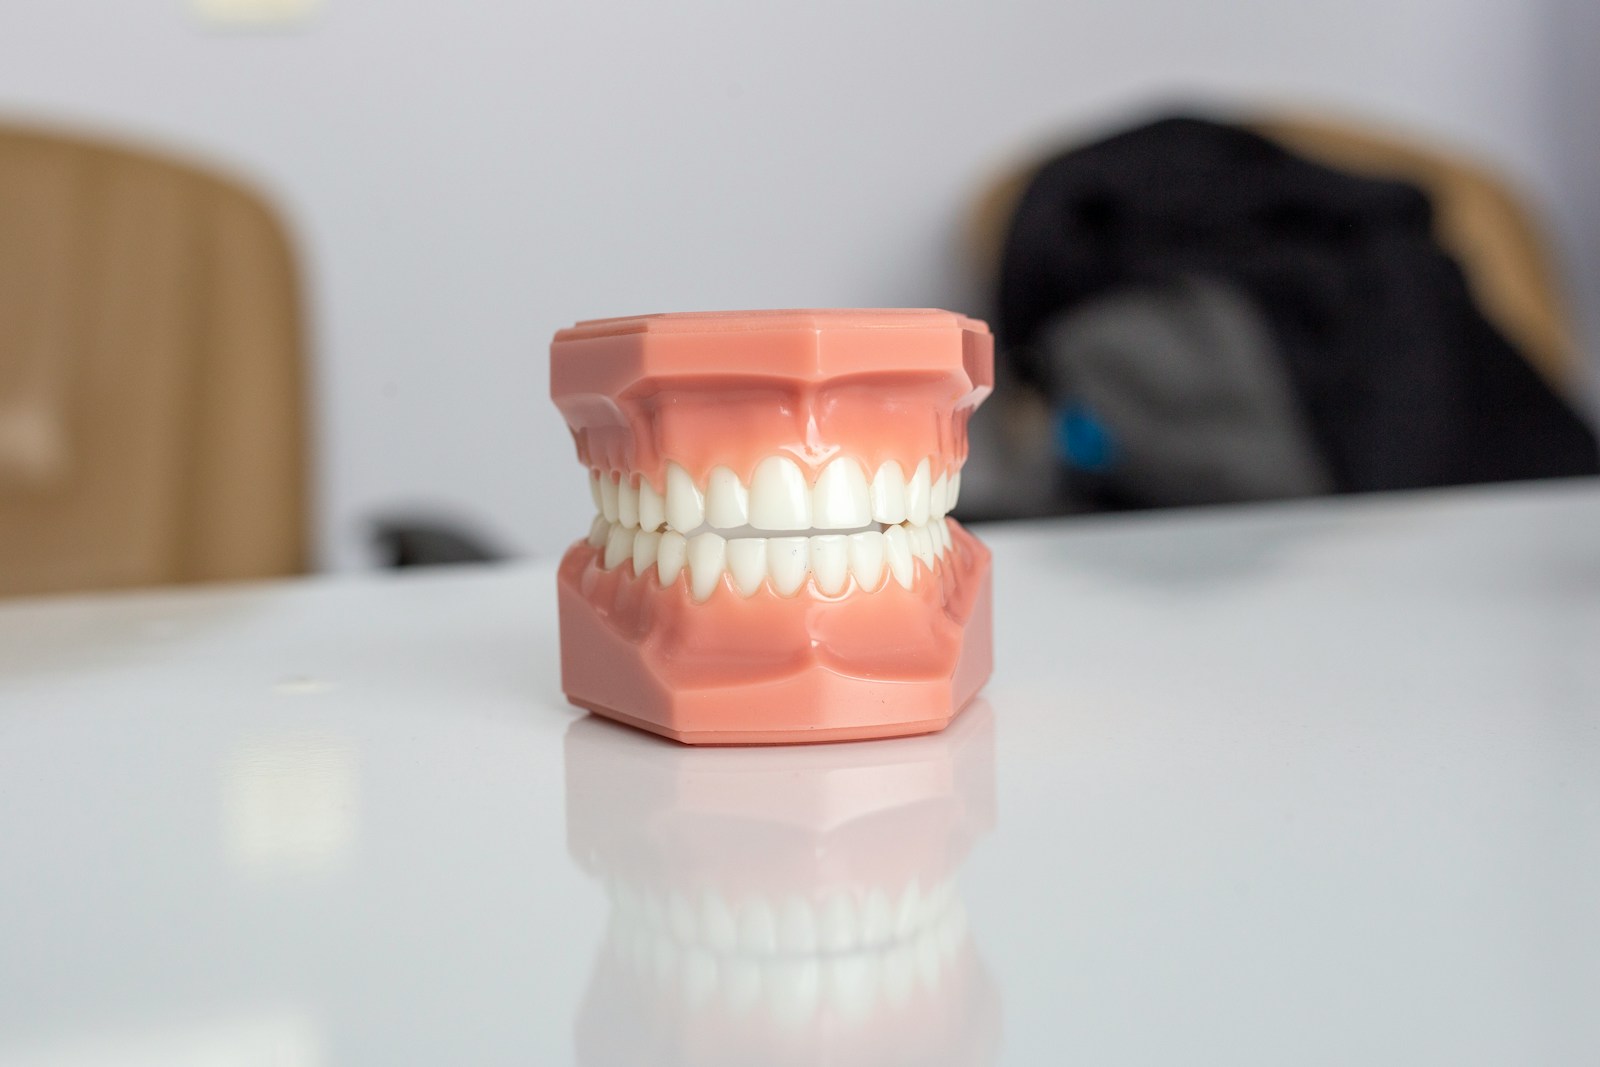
column 772, row 561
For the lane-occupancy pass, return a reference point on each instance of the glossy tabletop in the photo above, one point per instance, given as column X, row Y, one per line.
column 1311, row 783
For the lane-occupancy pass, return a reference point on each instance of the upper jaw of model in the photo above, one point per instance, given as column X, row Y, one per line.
column 833, row 460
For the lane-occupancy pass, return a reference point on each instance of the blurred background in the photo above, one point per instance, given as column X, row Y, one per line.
column 403, row 201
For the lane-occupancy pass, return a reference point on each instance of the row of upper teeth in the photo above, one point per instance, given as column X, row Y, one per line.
column 778, row 497
column 842, row 920
column 795, row 991
column 871, row 557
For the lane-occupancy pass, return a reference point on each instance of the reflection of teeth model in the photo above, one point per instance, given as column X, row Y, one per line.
column 772, row 492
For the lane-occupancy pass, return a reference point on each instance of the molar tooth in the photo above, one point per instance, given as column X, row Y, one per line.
column 594, row 490
column 939, row 497
column 708, row 553
column 897, row 547
column 627, row 502
column 727, row 500
column 645, row 546
column 652, row 507
column 599, row 531
column 779, row 496
column 747, row 562
column 841, row 499
column 671, row 555
column 830, row 562
column 619, row 546
column 922, row 545
column 866, row 558
column 889, row 494
column 918, row 491
column 608, row 497
column 685, row 504
column 788, row 560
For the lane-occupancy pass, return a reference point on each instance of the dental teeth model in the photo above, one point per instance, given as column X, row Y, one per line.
column 771, row 559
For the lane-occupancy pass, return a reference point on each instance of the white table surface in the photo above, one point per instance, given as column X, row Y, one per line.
column 1296, row 784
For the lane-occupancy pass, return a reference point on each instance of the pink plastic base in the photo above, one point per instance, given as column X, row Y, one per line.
column 777, row 670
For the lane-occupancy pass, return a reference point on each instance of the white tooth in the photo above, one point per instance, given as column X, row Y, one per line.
column 899, row 974
column 757, row 930
column 666, row 959
column 922, row 545
column 792, row 990
column 599, row 531
column 652, row 507
column 608, row 497
column 671, row 556
column 877, row 919
column 627, row 502
column 939, row 497
column 680, row 918
column 718, row 924
column 797, row 927
column 619, row 546
column 698, row 977
column 841, row 499
column 866, row 558
column 594, row 490
column 889, row 494
column 954, row 492
column 741, row 984
column 727, row 500
column 897, row 547
column 747, row 562
column 838, row 928
column 685, row 504
column 909, row 915
column 918, row 490
column 852, row 983
column 942, row 529
column 645, row 546
column 708, row 552
column 788, row 560
column 928, row 963
column 830, row 562
column 779, row 496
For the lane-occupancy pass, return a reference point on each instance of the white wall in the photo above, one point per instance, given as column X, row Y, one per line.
column 467, row 177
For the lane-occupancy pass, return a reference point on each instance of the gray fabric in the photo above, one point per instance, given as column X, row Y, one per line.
column 1187, row 380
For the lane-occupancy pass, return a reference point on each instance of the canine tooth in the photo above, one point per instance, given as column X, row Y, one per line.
column 918, row 491
column 788, row 560
column 727, row 500
column 757, row 930
column 889, row 494
column 866, row 558
column 779, row 496
column 671, row 556
column 594, row 490
column 599, row 531
column 608, row 497
column 954, row 492
column 841, row 499
column 830, row 562
column 838, row 928
column 708, row 553
column 747, row 562
column 686, row 508
column 619, row 546
column 922, row 544
column 941, row 537
column 908, row 918
column 939, row 497
column 797, row 927
column 646, row 543
column 897, row 548
column 627, row 502
column 652, row 507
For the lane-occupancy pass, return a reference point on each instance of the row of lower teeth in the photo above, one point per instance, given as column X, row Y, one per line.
column 871, row 557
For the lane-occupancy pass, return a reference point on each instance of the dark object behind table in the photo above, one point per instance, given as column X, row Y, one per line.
column 1391, row 376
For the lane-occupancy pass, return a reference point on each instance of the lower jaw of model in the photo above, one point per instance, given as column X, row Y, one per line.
column 773, row 562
